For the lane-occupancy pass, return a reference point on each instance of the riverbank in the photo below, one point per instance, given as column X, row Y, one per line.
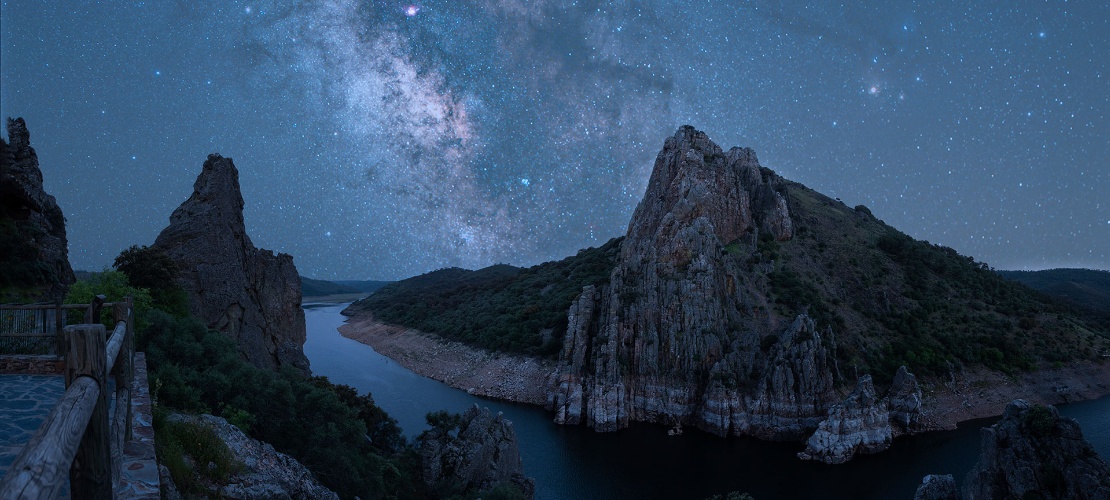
column 974, row 394
column 482, row 373
column 969, row 395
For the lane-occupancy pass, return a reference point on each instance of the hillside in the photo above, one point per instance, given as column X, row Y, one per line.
column 1085, row 288
column 744, row 303
column 500, row 307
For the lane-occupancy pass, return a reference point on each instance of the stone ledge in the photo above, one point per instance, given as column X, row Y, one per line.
column 26, row 364
column 139, row 471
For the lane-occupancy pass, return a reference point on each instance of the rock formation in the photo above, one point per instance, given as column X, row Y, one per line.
column 35, row 257
column 682, row 334
column 1034, row 453
column 249, row 294
column 860, row 424
column 937, row 487
column 479, row 456
column 905, row 401
column 266, row 473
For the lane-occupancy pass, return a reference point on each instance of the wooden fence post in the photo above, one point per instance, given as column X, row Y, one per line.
column 90, row 475
column 92, row 314
column 59, row 328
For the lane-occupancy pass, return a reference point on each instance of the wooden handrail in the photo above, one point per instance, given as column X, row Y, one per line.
column 114, row 344
column 77, row 435
column 42, row 467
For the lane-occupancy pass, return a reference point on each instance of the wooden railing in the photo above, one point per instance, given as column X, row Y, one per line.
column 77, row 436
column 35, row 323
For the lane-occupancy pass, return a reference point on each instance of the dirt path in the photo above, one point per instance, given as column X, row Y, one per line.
column 503, row 376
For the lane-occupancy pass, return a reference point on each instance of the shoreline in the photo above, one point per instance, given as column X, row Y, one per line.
column 970, row 395
column 509, row 377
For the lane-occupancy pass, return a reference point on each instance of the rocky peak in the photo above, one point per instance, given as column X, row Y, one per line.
column 695, row 183
column 40, row 270
column 680, row 334
column 1033, row 452
column 250, row 294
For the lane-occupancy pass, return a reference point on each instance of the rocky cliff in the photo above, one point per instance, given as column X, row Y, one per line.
column 1034, row 453
column 476, row 455
column 682, row 333
column 863, row 423
column 739, row 301
column 250, row 294
column 34, row 254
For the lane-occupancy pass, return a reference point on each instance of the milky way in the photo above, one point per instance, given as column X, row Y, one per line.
column 383, row 139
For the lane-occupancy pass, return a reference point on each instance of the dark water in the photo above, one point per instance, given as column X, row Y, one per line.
column 642, row 461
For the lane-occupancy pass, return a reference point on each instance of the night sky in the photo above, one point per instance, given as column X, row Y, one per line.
column 378, row 140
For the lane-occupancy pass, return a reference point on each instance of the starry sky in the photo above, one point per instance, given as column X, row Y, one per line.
column 380, row 139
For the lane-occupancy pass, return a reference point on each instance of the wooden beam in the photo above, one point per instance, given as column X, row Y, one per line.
column 90, row 474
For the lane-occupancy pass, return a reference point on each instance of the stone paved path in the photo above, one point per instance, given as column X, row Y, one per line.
column 25, row 400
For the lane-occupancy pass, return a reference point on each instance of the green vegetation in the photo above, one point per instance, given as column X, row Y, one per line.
column 193, row 453
column 501, row 307
column 23, row 275
column 1088, row 289
column 893, row 300
column 350, row 444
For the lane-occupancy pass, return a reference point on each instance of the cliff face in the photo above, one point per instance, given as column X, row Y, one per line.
column 250, row 294
column 682, row 334
column 35, row 254
column 1034, row 453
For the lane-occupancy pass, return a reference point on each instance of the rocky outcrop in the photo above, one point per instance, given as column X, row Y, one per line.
column 937, row 487
column 860, row 424
column 477, row 455
column 266, row 473
column 36, row 254
column 905, row 401
column 1034, row 453
column 249, row 294
column 682, row 334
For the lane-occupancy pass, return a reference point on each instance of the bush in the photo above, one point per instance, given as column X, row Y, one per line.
column 323, row 426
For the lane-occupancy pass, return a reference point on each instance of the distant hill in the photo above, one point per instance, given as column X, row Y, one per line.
column 315, row 288
column 500, row 307
column 365, row 286
column 1086, row 288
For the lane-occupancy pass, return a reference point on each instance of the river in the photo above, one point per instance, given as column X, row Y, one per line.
column 642, row 461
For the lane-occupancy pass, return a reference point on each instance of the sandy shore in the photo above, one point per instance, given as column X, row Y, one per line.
column 970, row 395
column 503, row 376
